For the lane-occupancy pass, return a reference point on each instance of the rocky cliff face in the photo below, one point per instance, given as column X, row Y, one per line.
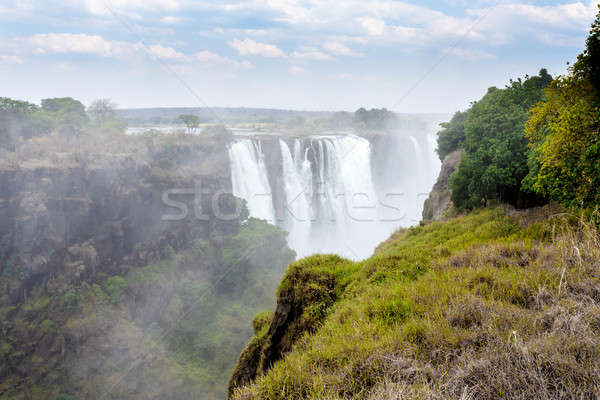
column 106, row 210
column 101, row 297
column 438, row 204
column 303, row 300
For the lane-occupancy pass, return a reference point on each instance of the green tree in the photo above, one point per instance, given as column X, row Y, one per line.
column 63, row 105
column 69, row 114
column 563, row 132
column 452, row 135
column 374, row 119
column 496, row 153
column 20, row 119
column 192, row 122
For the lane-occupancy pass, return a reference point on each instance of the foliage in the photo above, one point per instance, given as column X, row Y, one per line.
column 495, row 159
column 71, row 124
column 452, row 135
column 256, row 246
column 72, row 297
column 20, row 119
column 69, row 115
column 374, row 119
column 192, row 122
column 65, row 397
column 563, row 133
column 114, row 288
column 64, row 105
column 474, row 307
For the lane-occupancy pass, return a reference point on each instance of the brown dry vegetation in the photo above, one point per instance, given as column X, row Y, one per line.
column 484, row 306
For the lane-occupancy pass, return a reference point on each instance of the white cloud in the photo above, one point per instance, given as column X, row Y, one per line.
column 103, row 7
column 171, row 20
column 70, row 43
column 310, row 53
column 395, row 21
column 245, row 32
column 11, row 59
column 248, row 47
column 558, row 39
column 373, row 26
column 59, row 43
column 208, row 58
column 165, row 53
column 296, row 70
column 471, row 55
column 571, row 16
column 340, row 49
column 408, row 35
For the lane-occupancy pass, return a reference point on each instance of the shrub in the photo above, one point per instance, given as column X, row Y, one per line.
column 114, row 287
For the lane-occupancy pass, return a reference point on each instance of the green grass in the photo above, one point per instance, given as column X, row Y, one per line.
column 440, row 309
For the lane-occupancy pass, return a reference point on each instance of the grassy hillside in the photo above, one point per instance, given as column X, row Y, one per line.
column 494, row 304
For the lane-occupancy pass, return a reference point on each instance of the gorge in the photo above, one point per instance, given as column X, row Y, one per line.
column 94, row 281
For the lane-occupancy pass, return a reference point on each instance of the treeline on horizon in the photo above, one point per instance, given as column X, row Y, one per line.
column 21, row 120
column 535, row 141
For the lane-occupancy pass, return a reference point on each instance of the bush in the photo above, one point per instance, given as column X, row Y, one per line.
column 114, row 287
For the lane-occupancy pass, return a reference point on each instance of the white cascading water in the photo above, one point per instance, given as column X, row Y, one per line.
column 330, row 203
column 249, row 178
column 298, row 214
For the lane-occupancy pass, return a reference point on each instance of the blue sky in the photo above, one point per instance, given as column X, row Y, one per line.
column 410, row 56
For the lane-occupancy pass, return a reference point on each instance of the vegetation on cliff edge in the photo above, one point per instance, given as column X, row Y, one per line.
column 496, row 304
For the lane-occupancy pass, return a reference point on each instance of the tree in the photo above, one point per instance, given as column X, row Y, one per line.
column 452, row 135
column 69, row 114
column 102, row 110
column 563, row 132
column 496, row 154
column 374, row 119
column 64, row 105
column 20, row 119
column 192, row 122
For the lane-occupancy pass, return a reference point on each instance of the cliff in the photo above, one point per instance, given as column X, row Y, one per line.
column 495, row 304
column 439, row 203
column 305, row 295
column 100, row 296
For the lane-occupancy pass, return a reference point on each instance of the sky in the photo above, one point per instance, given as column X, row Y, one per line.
column 428, row 56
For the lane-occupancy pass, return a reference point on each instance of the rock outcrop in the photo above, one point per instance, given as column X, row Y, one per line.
column 305, row 295
column 439, row 203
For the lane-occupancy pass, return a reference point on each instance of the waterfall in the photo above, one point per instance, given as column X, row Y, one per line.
column 249, row 178
column 297, row 213
column 325, row 194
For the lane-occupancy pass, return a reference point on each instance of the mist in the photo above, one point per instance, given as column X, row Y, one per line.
column 292, row 199
column 139, row 244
